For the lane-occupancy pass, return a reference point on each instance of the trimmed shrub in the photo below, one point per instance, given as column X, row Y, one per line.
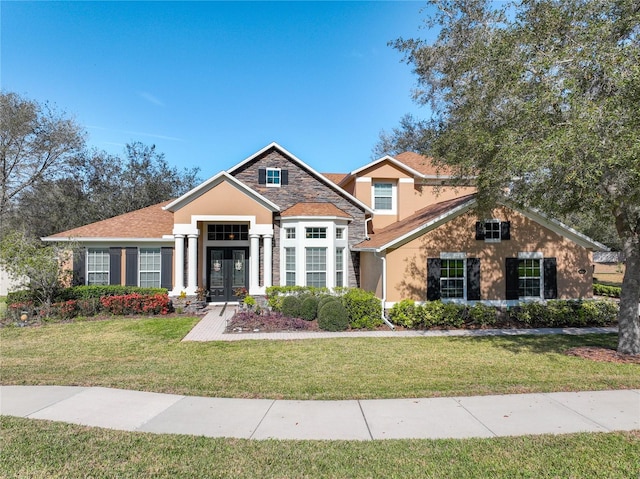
column 97, row 292
column 606, row 290
column 309, row 308
column 333, row 317
column 326, row 298
column 291, row 306
column 363, row 308
column 136, row 304
column 482, row 315
column 276, row 294
column 403, row 313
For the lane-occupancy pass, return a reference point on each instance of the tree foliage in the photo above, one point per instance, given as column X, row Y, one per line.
column 41, row 268
column 50, row 181
column 540, row 98
column 35, row 141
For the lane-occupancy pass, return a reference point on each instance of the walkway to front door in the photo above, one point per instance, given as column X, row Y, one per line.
column 227, row 273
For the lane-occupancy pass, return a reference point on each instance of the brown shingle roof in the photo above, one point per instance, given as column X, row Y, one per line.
column 335, row 177
column 422, row 164
column 315, row 209
column 149, row 222
column 420, row 218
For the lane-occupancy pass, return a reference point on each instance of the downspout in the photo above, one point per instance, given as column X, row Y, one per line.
column 366, row 230
column 384, row 288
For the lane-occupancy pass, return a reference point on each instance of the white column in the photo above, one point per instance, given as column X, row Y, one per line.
column 268, row 260
column 254, row 270
column 178, row 265
column 192, row 265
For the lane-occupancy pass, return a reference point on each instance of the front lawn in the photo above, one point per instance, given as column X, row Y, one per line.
column 146, row 354
column 41, row 449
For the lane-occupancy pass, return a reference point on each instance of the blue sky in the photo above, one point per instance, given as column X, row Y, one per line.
column 210, row 83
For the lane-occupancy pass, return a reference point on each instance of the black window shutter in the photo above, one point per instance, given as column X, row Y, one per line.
column 550, row 278
column 262, row 176
column 79, row 268
column 115, row 266
column 479, row 230
column 166, row 268
column 511, row 276
column 473, row 279
column 284, row 177
column 433, row 279
column 505, row 230
column 131, row 275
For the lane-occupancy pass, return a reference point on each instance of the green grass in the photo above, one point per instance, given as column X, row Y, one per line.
column 41, row 449
column 146, row 354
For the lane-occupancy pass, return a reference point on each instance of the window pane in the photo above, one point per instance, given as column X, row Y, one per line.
column 316, row 262
column 290, row 266
column 273, row 176
column 339, row 266
column 149, row 267
column 383, row 196
column 290, row 233
column 316, row 233
column 98, row 267
column 529, row 280
column 452, row 278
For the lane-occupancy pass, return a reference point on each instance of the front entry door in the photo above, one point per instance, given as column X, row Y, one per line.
column 227, row 273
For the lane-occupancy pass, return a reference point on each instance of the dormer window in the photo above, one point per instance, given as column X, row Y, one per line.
column 384, row 197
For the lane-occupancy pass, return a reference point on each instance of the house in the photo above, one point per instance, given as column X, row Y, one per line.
column 395, row 226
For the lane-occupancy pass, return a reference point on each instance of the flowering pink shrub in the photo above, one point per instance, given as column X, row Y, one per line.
column 136, row 303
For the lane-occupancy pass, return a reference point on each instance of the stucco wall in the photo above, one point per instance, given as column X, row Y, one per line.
column 224, row 199
column 407, row 265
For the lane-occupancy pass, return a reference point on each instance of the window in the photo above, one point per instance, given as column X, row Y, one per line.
column 290, row 233
column 290, row 266
column 149, row 268
column 227, row 232
column 339, row 233
column 529, row 278
column 273, row 176
column 452, row 278
column 316, row 233
column 316, row 267
column 493, row 231
column 383, row 197
column 339, row 266
column 98, row 267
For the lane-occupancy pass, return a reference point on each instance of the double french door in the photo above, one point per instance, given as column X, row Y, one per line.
column 227, row 273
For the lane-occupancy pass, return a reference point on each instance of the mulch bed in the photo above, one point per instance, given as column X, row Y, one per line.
column 594, row 353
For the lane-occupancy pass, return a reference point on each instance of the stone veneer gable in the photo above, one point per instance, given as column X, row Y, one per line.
column 302, row 187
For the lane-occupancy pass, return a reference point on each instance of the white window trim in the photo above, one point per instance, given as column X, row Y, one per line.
column 458, row 256
column 492, row 240
column 273, row 185
column 108, row 271
column 539, row 256
column 140, row 271
column 394, row 197
column 301, row 242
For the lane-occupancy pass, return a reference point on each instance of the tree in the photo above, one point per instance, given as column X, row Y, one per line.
column 540, row 98
column 34, row 140
column 98, row 186
column 42, row 269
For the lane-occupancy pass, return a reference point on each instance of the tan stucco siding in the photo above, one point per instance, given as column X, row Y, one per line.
column 407, row 270
column 371, row 273
column 227, row 200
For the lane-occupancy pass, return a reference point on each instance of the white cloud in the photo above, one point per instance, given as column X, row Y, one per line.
column 150, row 98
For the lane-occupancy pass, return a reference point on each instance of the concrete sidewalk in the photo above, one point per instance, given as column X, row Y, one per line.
column 212, row 328
column 433, row 418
